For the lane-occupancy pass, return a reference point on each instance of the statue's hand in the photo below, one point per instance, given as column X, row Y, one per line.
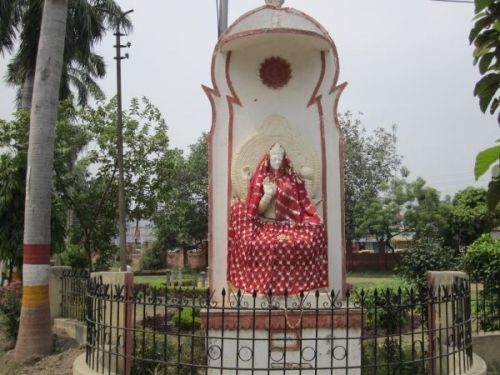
column 269, row 188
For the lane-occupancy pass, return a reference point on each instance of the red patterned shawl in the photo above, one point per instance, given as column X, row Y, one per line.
column 292, row 201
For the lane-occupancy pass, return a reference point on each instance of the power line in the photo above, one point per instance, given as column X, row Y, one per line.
column 456, row 1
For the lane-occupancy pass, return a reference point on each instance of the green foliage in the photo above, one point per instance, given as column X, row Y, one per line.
column 402, row 206
column 151, row 259
column 182, row 217
column 89, row 184
column 383, row 307
column 188, row 319
column 13, row 160
column 486, row 38
column 471, row 216
column 151, row 348
column 75, row 257
column 485, row 159
column 485, row 35
column 158, row 347
column 370, row 161
column 424, row 209
column 87, row 23
column 10, row 308
column 482, row 262
column 482, row 258
column 428, row 254
column 390, row 356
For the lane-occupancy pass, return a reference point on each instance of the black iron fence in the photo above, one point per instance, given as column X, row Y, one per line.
column 73, row 293
column 141, row 330
column 485, row 303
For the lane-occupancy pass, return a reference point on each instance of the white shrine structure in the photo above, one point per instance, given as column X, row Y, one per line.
column 275, row 75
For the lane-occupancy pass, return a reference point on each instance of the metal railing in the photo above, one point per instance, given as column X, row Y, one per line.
column 73, row 293
column 141, row 330
column 485, row 303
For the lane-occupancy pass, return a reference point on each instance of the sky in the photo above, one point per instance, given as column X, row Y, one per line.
column 407, row 62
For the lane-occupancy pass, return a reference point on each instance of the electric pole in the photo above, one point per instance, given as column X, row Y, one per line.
column 119, row 143
column 222, row 19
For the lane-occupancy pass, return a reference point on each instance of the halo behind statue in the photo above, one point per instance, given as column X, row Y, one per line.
column 275, row 130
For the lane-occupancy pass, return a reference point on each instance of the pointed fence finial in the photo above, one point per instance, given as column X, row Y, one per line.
column 275, row 3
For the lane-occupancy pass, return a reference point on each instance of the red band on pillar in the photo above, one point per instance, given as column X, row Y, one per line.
column 36, row 254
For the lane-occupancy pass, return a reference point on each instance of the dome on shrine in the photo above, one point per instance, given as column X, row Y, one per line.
column 269, row 21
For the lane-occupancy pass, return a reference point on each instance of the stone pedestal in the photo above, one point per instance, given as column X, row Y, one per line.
column 306, row 342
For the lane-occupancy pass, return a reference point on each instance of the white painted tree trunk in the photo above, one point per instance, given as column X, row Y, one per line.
column 35, row 336
column 27, row 92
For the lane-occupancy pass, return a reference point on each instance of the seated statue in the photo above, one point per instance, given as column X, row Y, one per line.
column 277, row 241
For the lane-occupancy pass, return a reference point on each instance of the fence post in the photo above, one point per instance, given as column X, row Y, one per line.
column 55, row 290
column 121, row 318
column 442, row 284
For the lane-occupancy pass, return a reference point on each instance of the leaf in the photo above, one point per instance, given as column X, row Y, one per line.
column 481, row 4
column 494, row 105
column 486, row 89
column 485, row 62
column 478, row 27
column 493, row 195
column 485, row 159
column 496, row 26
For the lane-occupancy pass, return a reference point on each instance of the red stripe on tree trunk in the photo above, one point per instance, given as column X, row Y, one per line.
column 36, row 254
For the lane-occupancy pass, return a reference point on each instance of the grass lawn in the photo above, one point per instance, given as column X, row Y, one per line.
column 370, row 280
column 158, row 280
column 367, row 280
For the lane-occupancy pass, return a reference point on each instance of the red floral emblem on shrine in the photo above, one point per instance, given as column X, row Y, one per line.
column 275, row 72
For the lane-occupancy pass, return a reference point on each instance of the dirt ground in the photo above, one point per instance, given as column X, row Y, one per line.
column 59, row 363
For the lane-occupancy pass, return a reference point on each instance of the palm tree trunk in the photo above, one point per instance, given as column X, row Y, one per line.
column 27, row 92
column 35, row 333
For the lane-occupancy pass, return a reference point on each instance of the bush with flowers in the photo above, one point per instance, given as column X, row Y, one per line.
column 10, row 308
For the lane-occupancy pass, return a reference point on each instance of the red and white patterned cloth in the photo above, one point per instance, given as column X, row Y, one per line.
column 267, row 256
column 277, row 256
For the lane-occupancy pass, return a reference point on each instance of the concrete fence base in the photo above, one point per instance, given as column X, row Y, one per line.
column 70, row 328
column 487, row 345
column 478, row 366
column 81, row 368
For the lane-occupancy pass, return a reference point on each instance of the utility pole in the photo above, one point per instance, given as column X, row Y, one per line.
column 222, row 19
column 119, row 143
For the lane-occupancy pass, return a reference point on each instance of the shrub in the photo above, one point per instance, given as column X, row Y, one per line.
column 106, row 257
column 482, row 258
column 10, row 308
column 428, row 254
column 74, row 256
column 151, row 348
column 188, row 319
column 387, row 311
column 482, row 263
column 151, row 259
column 392, row 357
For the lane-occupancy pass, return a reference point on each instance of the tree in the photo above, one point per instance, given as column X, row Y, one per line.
column 370, row 161
column 35, row 331
column 87, row 22
column 471, row 216
column 14, row 142
column 486, row 38
column 89, row 198
column 182, row 216
column 403, row 206
column 425, row 212
column 428, row 254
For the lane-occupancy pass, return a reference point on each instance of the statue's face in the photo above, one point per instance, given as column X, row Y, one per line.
column 275, row 161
